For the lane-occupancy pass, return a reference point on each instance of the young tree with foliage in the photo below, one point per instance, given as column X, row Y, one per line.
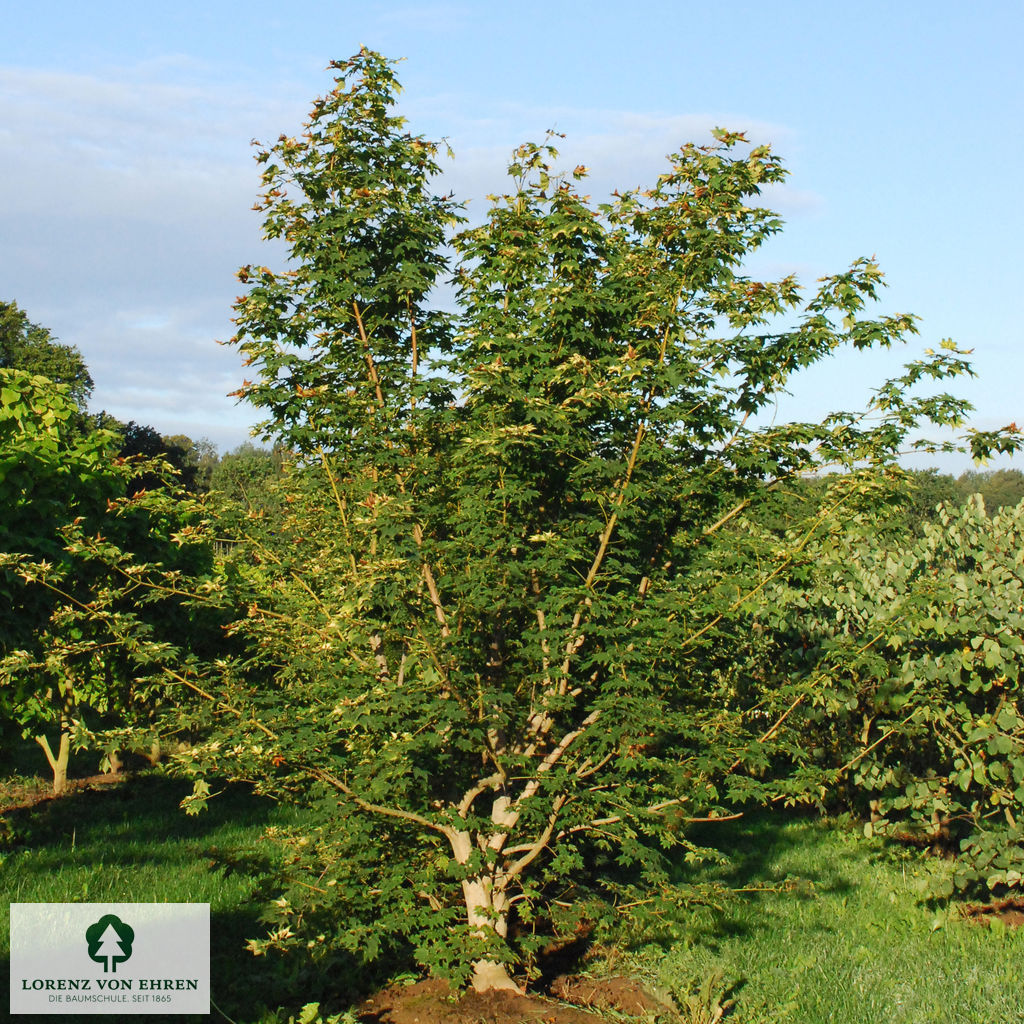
column 49, row 471
column 473, row 634
column 91, row 573
column 916, row 639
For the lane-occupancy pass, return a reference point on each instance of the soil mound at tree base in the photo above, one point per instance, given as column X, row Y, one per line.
column 624, row 995
column 1010, row 912
column 432, row 1002
column 23, row 795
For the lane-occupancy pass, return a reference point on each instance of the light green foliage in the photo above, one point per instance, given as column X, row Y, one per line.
column 247, row 492
column 476, row 635
column 918, row 641
column 91, row 575
column 50, row 475
column 242, row 474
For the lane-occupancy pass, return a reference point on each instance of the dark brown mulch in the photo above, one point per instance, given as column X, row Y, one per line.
column 1010, row 912
column 432, row 1002
column 21, row 796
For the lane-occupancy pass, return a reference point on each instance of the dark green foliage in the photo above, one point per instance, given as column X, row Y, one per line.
column 32, row 348
column 926, row 490
column 192, row 462
column 999, row 488
column 50, row 472
column 245, row 482
column 480, row 633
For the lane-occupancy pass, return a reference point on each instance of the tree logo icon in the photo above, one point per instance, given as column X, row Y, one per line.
column 110, row 942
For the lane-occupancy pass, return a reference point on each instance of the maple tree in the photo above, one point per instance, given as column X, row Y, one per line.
column 477, row 634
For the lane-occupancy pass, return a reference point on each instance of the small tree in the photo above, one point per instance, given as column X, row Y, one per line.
column 475, row 633
column 91, row 575
column 917, row 639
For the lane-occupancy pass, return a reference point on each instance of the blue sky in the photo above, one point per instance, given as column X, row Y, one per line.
column 128, row 174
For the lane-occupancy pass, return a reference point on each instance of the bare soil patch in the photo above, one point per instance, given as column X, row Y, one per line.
column 432, row 1002
column 624, row 995
column 22, row 794
column 1010, row 912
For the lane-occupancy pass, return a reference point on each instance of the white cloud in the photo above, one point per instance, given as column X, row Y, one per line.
column 622, row 150
column 130, row 213
column 129, row 202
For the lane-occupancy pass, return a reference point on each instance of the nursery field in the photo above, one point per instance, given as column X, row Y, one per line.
column 475, row 679
column 823, row 924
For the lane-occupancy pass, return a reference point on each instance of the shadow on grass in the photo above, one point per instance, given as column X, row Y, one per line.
column 143, row 808
column 760, row 842
column 116, row 830
column 773, row 855
column 246, row 989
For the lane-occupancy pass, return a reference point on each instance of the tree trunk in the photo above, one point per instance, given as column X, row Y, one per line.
column 487, row 911
column 58, row 764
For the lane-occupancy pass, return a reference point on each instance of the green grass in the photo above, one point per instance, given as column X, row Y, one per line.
column 849, row 939
column 132, row 843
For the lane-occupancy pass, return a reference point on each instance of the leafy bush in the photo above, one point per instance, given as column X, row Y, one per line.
column 917, row 642
column 92, row 575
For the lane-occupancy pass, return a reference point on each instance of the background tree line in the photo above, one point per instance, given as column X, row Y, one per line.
column 199, row 467
column 66, row 472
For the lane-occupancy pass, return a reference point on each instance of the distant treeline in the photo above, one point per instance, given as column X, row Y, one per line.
column 913, row 496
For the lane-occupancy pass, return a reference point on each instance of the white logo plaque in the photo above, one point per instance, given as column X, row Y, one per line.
column 69, row 958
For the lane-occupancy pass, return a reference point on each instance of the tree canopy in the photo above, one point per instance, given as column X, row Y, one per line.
column 30, row 347
column 477, row 636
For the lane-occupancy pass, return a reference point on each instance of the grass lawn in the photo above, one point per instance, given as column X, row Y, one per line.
column 844, row 937
column 133, row 844
column 850, row 938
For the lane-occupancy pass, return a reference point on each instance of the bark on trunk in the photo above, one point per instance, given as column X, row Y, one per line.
column 487, row 911
column 58, row 763
column 60, row 772
column 489, row 975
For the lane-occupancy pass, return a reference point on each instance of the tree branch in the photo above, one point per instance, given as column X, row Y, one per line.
column 481, row 787
column 323, row 776
column 370, row 365
column 574, row 643
column 743, row 598
column 387, row 812
column 536, row 848
column 428, row 576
